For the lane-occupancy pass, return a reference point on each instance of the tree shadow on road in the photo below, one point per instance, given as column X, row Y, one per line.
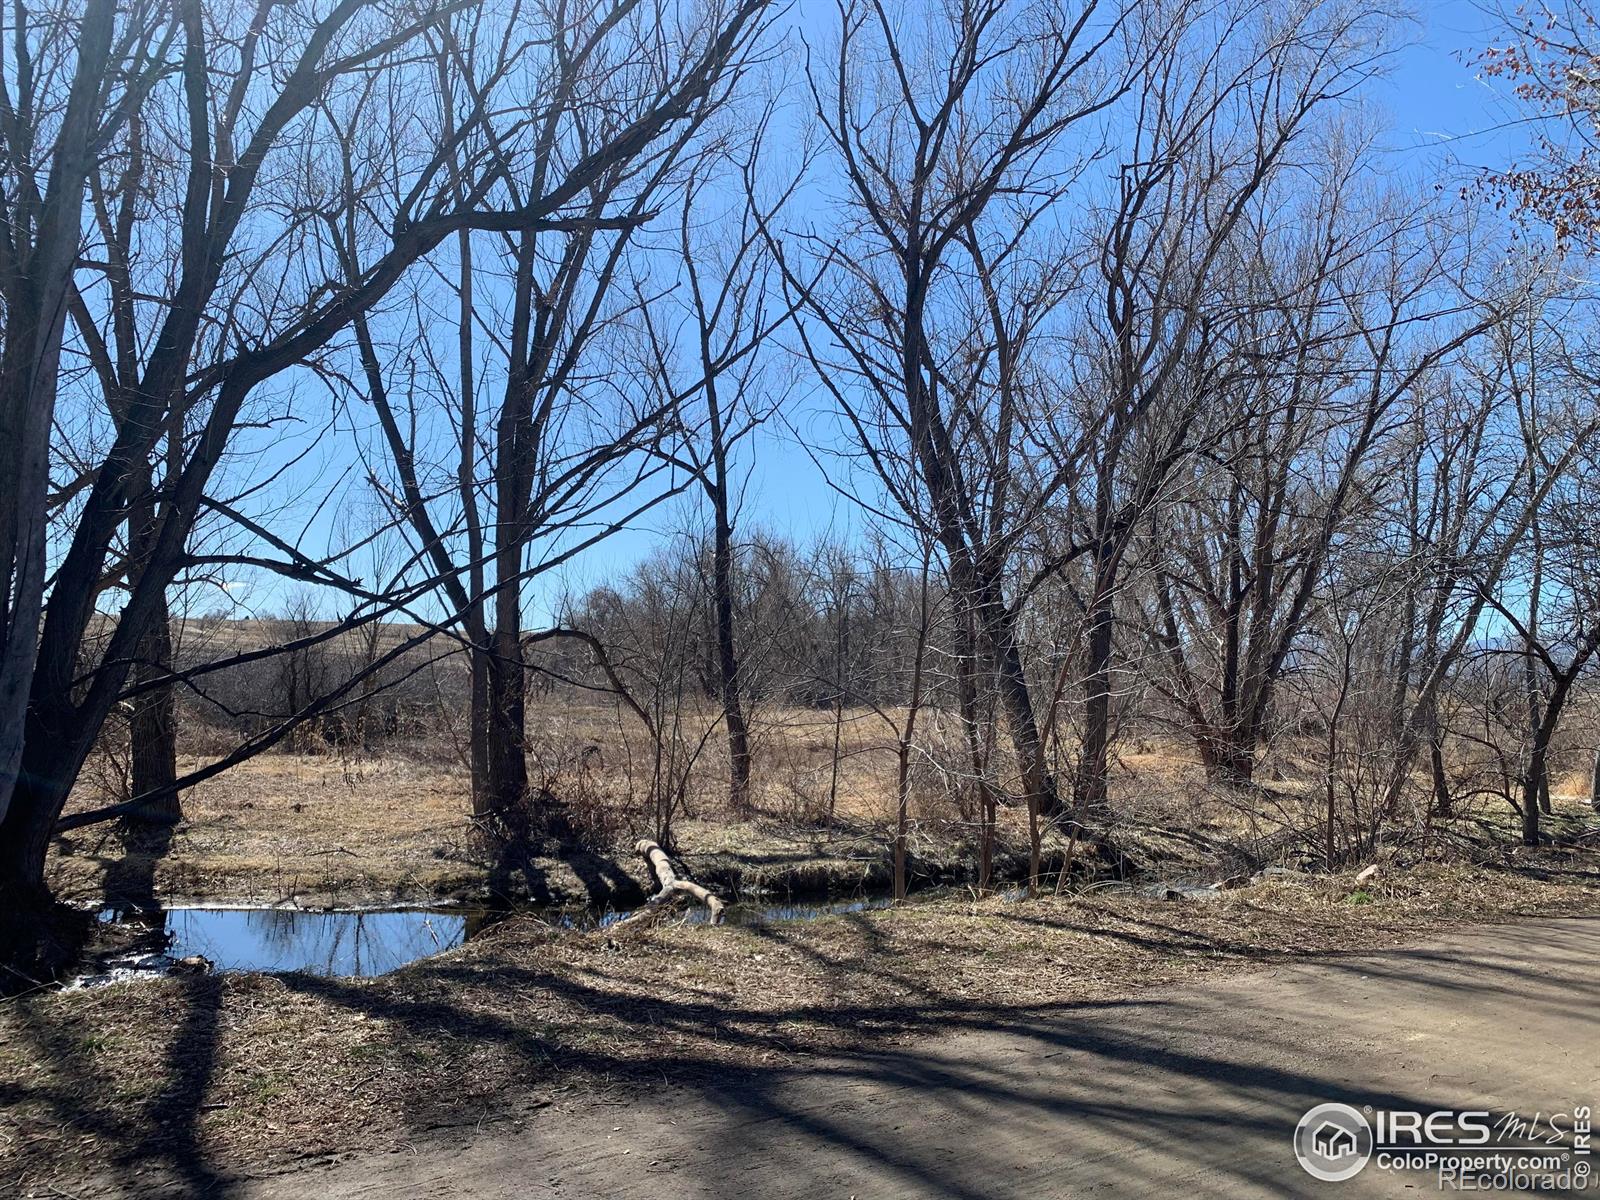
column 1135, row 1092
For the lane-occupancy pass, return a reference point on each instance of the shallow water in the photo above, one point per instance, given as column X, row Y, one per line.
column 375, row 941
column 364, row 943
column 757, row 914
column 343, row 944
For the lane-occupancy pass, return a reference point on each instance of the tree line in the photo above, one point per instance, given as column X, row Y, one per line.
column 1155, row 391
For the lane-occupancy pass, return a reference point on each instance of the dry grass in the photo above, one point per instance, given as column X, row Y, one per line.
column 313, row 826
column 334, row 828
column 202, row 1076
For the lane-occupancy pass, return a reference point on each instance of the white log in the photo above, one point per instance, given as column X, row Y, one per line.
column 670, row 887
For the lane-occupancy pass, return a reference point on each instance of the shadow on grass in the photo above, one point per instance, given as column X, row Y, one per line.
column 522, row 843
column 161, row 1133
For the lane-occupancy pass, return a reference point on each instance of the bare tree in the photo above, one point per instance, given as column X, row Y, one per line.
column 1221, row 118
column 727, row 309
column 1360, row 324
column 569, row 454
column 948, row 133
column 80, row 76
column 1491, row 483
column 250, row 88
column 1557, row 632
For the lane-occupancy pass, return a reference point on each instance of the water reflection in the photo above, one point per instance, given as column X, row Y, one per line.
column 320, row 943
column 374, row 942
column 758, row 914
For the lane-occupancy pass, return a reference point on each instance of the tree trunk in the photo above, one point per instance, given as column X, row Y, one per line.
column 475, row 619
column 838, row 738
column 1536, row 777
column 1443, row 806
column 1331, row 768
column 478, row 709
column 1092, row 786
column 1037, row 781
column 902, row 817
column 669, row 886
column 1594, row 782
column 1539, row 794
column 153, row 727
column 57, row 736
column 37, row 937
column 1229, row 758
column 36, row 314
column 505, row 732
column 1530, row 792
column 967, row 694
column 24, row 842
column 728, row 659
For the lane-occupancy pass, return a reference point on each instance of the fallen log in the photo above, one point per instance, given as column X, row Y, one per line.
column 670, row 887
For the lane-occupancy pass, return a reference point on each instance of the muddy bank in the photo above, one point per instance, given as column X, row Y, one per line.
column 575, row 877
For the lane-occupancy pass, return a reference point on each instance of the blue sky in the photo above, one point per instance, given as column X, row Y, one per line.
column 1432, row 94
column 1444, row 125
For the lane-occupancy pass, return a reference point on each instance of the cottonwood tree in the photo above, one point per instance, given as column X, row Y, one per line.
column 948, row 133
column 211, row 331
column 111, row 327
column 614, row 98
column 75, row 77
column 1220, row 122
column 951, row 270
column 1491, row 486
column 1368, row 301
column 1548, row 593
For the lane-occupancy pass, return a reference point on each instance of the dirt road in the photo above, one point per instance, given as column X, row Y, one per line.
column 1192, row 1094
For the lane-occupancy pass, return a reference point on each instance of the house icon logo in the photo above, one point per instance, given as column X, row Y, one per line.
column 1333, row 1142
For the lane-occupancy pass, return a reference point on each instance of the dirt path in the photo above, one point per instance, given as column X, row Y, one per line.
column 1162, row 1094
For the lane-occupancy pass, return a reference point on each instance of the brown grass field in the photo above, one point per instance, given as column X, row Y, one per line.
column 163, row 1078
column 323, row 825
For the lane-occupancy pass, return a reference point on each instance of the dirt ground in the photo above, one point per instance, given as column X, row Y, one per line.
column 1173, row 1091
column 188, row 1084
